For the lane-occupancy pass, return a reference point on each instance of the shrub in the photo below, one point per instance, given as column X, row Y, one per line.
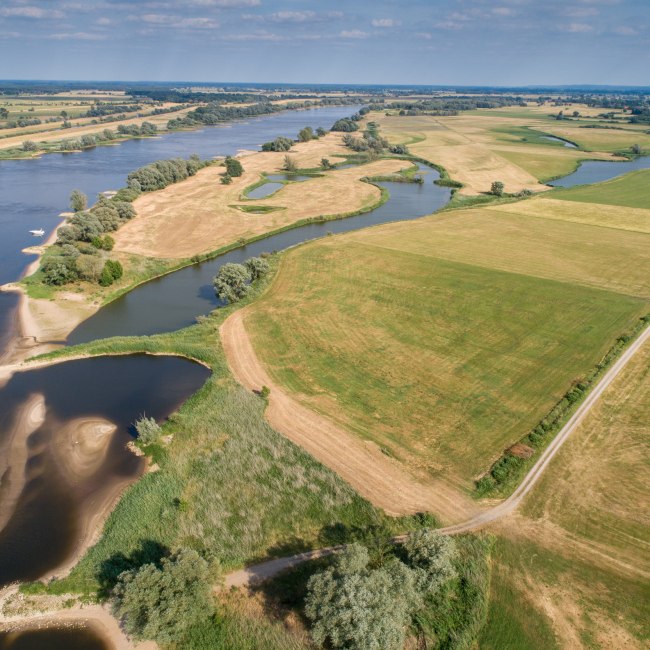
column 306, row 134
column 289, row 164
column 231, row 282
column 226, row 179
column 497, row 188
column 320, row 132
column 325, row 164
column 30, row 145
column 257, row 267
column 233, row 167
column 162, row 603
column 279, row 144
column 78, row 201
column 90, row 267
column 430, row 555
column 59, row 270
column 148, row 429
column 345, row 124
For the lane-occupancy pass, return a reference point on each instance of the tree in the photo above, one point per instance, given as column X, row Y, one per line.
column 357, row 608
column 257, row 267
column 30, row 145
column 636, row 149
column 4, row 113
column 90, row 267
column 279, row 144
column 78, row 201
column 306, row 134
column 148, row 430
column 226, row 179
column 325, row 163
column 431, row 557
column 497, row 188
column 231, row 283
column 345, row 124
column 162, row 603
column 289, row 164
column 233, row 167
column 320, row 132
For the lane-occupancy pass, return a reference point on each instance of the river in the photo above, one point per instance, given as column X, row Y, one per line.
column 118, row 390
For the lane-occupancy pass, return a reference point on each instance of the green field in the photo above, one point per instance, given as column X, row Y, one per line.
column 441, row 363
column 631, row 190
column 577, row 554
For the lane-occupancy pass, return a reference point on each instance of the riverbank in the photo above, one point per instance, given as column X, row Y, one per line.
column 21, row 612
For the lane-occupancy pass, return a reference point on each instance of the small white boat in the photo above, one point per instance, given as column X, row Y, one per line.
column 37, row 233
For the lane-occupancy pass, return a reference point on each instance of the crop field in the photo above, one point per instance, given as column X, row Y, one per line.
column 572, row 570
column 214, row 214
column 445, row 340
column 477, row 148
column 631, row 190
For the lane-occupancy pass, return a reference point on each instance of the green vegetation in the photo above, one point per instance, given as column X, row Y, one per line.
column 497, row 188
column 290, row 165
column 233, row 167
column 631, row 190
column 162, row 173
column 78, row 201
column 328, row 331
column 345, row 124
column 162, row 603
column 149, row 431
column 279, row 144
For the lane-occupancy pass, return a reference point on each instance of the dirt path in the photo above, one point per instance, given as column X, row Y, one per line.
column 377, row 477
column 322, row 440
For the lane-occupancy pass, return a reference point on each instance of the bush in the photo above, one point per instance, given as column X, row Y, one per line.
column 289, row 164
column 231, row 282
column 345, row 124
column 233, row 167
column 90, row 267
column 59, row 270
column 148, row 429
column 257, row 267
column 279, row 144
column 226, row 179
column 112, row 271
column 306, row 134
column 497, row 188
column 30, row 145
column 325, row 164
column 161, row 604
column 430, row 555
column 78, row 201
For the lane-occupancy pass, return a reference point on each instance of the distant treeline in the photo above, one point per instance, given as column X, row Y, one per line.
column 215, row 112
column 450, row 105
column 100, row 109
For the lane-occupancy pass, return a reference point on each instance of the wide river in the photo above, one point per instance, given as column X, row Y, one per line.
column 42, row 530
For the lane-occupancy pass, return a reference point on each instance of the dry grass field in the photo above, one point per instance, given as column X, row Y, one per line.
column 445, row 340
column 573, row 570
column 477, row 148
column 200, row 214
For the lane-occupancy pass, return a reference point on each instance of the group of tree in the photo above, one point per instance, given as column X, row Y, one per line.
column 21, row 122
column 362, row 602
column 234, row 168
column 162, row 173
column 106, row 108
column 79, row 251
column 133, row 130
column 372, row 143
column 346, row 124
column 306, row 134
column 233, row 281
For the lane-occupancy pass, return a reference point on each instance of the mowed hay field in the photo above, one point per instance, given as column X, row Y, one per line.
column 200, row 214
column 477, row 148
column 573, row 569
column 446, row 339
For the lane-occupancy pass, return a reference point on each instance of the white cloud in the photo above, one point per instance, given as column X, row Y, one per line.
column 177, row 21
column 227, row 4
column 294, row 17
column 625, row 31
column 577, row 28
column 353, row 33
column 30, row 12
column 503, row 11
column 385, row 22
column 104, row 21
column 424, row 35
column 448, row 24
column 581, row 12
column 77, row 36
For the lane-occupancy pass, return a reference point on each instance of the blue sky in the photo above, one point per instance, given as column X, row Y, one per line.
column 482, row 42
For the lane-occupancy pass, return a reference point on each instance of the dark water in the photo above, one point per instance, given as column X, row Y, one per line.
column 263, row 191
column 566, row 143
column 45, row 525
column 34, row 192
column 295, row 177
column 77, row 638
column 173, row 301
column 597, row 171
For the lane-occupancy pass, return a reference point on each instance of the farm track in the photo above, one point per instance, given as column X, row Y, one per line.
column 308, row 434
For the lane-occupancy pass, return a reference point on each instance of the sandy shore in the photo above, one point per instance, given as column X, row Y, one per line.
column 18, row 612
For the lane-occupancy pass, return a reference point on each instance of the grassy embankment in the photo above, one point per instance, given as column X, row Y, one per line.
column 572, row 570
column 497, row 314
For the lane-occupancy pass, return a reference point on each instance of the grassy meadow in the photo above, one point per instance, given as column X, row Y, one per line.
column 444, row 353
column 630, row 190
column 572, row 569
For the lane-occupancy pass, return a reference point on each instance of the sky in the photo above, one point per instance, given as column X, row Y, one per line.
column 437, row 42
